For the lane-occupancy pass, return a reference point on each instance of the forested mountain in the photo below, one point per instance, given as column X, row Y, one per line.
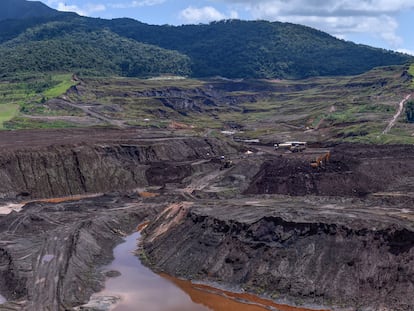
column 98, row 52
column 232, row 48
column 260, row 49
column 20, row 9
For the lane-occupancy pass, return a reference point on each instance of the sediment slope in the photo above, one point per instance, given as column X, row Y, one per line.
column 347, row 255
column 60, row 170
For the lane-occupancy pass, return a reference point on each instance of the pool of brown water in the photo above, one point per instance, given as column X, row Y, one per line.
column 141, row 289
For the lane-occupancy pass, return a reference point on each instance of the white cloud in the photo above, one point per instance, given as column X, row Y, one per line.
column 205, row 14
column 90, row 8
column 85, row 10
column 406, row 51
column 327, row 6
column 70, row 8
column 135, row 4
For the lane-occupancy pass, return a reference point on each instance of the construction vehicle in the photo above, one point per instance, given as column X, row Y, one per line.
column 321, row 161
column 293, row 146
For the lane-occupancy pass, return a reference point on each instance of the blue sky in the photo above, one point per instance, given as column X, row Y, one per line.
column 387, row 24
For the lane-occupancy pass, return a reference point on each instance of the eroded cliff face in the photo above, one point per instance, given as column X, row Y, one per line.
column 331, row 254
column 55, row 171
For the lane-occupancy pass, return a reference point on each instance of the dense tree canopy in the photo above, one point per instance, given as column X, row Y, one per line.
column 232, row 48
column 50, row 48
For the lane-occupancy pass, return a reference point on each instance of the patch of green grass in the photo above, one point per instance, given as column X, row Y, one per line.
column 381, row 139
column 19, row 123
column 340, row 117
column 411, row 72
column 8, row 112
column 65, row 82
column 371, row 133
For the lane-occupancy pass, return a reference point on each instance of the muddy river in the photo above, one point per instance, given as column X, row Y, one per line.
column 141, row 289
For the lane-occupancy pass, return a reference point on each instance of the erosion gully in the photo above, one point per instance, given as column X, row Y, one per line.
column 139, row 287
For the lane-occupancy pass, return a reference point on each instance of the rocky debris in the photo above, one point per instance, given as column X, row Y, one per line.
column 346, row 254
column 99, row 303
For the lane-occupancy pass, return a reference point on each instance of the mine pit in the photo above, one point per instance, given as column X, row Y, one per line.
column 265, row 226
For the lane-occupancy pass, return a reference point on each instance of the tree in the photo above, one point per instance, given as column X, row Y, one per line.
column 409, row 111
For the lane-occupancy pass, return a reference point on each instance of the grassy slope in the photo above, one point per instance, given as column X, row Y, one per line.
column 411, row 72
column 8, row 112
column 64, row 83
column 355, row 109
column 25, row 94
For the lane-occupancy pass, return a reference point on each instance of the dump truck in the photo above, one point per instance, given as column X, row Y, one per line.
column 293, row 146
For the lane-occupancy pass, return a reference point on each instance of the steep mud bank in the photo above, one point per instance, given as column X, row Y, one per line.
column 50, row 252
column 347, row 255
column 56, row 170
column 352, row 171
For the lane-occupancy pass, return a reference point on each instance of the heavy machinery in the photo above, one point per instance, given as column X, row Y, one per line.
column 293, row 146
column 321, row 161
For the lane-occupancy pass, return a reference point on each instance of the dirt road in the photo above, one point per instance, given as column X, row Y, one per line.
column 397, row 115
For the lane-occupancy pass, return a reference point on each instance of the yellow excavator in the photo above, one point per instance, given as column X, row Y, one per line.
column 321, row 160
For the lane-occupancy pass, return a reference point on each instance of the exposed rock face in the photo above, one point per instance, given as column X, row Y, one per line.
column 325, row 254
column 55, row 171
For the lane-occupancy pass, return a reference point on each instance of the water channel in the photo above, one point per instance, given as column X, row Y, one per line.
column 141, row 289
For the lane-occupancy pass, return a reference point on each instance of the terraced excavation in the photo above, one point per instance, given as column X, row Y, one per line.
column 335, row 237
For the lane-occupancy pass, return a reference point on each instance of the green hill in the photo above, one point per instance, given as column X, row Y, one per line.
column 21, row 9
column 232, row 48
column 98, row 52
column 261, row 49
